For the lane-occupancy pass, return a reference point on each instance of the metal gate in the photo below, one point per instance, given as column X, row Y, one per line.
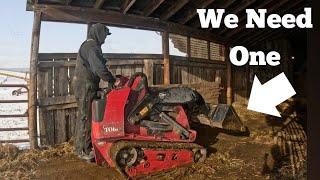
column 5, row 116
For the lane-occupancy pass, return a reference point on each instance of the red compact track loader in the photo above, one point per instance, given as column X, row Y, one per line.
column 140, row 132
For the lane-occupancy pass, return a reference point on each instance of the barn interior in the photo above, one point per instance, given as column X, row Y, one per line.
column 275, row 147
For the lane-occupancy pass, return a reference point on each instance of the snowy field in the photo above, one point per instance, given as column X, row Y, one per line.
column 20, row 108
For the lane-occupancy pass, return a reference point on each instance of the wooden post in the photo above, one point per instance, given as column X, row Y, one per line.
column 208, row 46
column 188, row 48
column 229, row 76
column 188, row 58
column 32, row 110
column 248, row 83
column 166, row 61
column 217, row 77
column 148, row 70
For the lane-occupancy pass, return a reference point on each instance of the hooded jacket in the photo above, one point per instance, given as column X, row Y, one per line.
column 90, row 64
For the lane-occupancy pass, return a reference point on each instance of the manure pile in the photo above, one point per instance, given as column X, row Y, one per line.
column 22, row 164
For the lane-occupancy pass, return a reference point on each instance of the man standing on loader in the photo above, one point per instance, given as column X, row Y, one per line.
column 90, row 68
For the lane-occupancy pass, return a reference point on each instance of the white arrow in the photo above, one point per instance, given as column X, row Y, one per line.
column 264, row 98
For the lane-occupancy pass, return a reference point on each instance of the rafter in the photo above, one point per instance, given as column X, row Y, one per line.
column 265, row 34
column 226, row 5
column 175, row 7
column 253, row 33
column 193, row 11
column 243, row 6
column 99, row 4
column 127, row 4
column 270, row 10
column 151, row 7
column 241, row 20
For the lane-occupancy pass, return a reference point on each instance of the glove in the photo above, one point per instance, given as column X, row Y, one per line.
column 111, row 82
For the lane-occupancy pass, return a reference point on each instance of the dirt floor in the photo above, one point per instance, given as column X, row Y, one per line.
column 261, row 155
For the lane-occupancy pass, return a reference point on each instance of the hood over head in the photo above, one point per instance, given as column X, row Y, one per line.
column 98, row 32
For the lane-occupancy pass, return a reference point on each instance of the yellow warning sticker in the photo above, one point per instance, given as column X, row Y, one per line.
column 143, row 111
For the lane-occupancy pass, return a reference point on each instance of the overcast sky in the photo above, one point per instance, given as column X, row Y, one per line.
column 15, row 35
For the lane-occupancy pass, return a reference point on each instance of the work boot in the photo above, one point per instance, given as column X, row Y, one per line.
column 87, row 157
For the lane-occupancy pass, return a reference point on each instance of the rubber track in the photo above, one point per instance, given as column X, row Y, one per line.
column 155, row 145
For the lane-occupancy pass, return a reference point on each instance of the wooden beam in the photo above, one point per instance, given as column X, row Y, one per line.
column 14, row 129
column 51, row 101
column 148, row 70
column 83, row 15
column 208, row 47
column 166, row 60
column 111, row 56
column 151, row 7
column 32, row 105
column 188, row 57
column 99, row 4
column 175, row 7
column 188, row 48
column 127, row 4
column 229, row 77
column 14, row 141
column 193, row 11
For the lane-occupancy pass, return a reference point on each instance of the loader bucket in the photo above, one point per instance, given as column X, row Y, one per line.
column 224, row 116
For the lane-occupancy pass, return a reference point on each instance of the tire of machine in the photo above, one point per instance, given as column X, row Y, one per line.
column 199, row 155
column 127, row 157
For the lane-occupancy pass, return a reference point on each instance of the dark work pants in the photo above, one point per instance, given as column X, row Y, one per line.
column 84, row 92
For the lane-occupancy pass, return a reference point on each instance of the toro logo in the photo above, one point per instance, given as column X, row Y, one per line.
column 110, row 129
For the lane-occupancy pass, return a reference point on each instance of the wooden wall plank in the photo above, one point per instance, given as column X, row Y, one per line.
column 60, row 126
column 240, row 84
column 45, row 81
column 41, row 94
column 184, row 75
column 139, row 68
column 60, row 89
column 117, row 70
column 71, row 74
column 113, row 69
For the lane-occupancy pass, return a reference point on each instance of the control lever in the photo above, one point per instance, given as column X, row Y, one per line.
column 181, row 130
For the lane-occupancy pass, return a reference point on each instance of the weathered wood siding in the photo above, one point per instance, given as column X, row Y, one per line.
column 57, row 107
column 240, row 83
